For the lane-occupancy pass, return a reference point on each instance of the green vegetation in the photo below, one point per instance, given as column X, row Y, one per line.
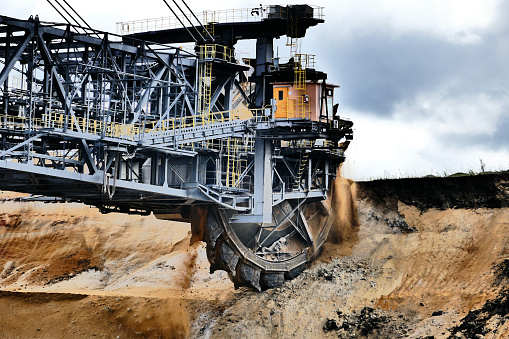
column 445, row 173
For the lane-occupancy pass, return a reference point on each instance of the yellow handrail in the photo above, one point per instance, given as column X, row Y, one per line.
column 123, row 131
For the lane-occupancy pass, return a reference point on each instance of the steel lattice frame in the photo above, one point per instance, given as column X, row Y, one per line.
column 123, row 125
column 95, row 110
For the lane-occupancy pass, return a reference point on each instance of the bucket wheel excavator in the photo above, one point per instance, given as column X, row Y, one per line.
column 244, row 149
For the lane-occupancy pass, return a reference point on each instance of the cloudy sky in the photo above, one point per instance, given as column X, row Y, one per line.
column 426, row 82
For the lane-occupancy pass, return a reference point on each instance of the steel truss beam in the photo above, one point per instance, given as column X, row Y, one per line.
column 117, row 125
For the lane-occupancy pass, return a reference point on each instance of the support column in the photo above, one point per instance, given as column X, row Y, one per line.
column 263, row 180
column 326, row 175
column 154, row 169
column 6, row 82
column 163, row 172
column 228, row 94
column 84, row 91
column 264, row 56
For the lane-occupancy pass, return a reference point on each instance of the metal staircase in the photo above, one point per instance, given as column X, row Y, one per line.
column 303, row 164
column 300, row 86
column 205, row 85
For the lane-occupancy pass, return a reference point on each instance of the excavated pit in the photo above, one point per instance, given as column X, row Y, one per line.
column 412, row 258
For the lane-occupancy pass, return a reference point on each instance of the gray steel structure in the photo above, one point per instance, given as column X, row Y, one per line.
column 133, row 126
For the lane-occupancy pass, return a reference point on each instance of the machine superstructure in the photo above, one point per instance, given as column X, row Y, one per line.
column 133, row 123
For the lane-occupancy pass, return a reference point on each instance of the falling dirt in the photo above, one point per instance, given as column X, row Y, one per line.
column 395, row 266
column 345, row 226
column 189, row 263
column 198, row 223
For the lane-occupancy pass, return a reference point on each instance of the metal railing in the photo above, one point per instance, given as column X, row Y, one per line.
column 214, row 51
column 131, row 132
column 255, row 14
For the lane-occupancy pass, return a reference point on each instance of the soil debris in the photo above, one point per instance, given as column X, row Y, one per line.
column 367, row 322
column 491, row 320
column 398, row 266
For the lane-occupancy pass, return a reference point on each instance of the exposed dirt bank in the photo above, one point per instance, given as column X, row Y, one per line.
column 483, row 190
column 413, row 272
column 416, row 258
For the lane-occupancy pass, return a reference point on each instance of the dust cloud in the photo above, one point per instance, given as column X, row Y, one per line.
column 190, row 257
column 345, row 226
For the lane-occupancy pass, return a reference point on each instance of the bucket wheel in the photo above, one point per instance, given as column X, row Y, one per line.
column 263, row 256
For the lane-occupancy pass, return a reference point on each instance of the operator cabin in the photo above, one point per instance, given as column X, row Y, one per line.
column 295, row 101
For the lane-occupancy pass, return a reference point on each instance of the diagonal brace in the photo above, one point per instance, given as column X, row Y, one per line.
column 3, row 153
column 15, row 56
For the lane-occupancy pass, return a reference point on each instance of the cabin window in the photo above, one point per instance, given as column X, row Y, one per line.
column 329, row 102
column 330, row 107
column 281, row 95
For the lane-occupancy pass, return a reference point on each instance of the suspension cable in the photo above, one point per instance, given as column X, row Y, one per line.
column 79, row 16
column 63, row 16
column 206, row 30
column 185, row 16
column 69, row 14
column 175, row 14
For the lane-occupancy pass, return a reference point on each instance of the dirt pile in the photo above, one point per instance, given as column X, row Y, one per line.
column 67, row 265
column 73, row 247
column 366, row 322
column 418, row 270
column 493, row 316
column 406, row 258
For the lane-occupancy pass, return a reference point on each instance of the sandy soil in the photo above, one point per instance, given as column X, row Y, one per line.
column 67, row 270
column 396, row 273
column 389, row 270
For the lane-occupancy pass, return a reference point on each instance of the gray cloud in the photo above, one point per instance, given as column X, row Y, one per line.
column 376, row 71
column 452, row 91
column 377, row 68
column 496, row 141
